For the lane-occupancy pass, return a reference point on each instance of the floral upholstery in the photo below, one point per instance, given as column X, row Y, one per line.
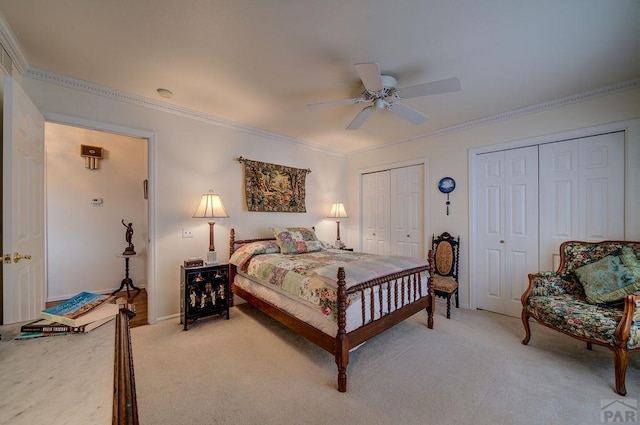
column 558, row 300
column 576, row 316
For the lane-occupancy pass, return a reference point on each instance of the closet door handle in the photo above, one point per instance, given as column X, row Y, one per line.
column 501, row 240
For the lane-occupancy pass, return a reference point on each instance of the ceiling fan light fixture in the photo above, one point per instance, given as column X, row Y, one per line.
column 388, row 82
column 383, row 93
column 379, row 104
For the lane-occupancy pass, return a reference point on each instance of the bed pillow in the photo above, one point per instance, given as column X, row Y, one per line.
column 242, row 255
column 297, row 240
column 607, row 280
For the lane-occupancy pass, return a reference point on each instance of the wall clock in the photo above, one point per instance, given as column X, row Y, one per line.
column 446, row 185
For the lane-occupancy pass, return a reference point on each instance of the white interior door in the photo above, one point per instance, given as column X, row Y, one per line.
column 376, row 211
column 24, row 289
column 521, row 183
column 490, row 251
column 507, row 227
column 582, row 191
column 406, row 215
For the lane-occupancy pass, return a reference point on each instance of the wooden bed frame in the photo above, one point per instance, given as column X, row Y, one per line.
column 344, row 341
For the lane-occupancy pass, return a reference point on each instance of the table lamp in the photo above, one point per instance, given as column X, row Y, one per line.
column 211, row 207
column 338, row 212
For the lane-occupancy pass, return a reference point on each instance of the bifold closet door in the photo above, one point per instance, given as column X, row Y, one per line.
column 581, row 193
column 376, row 213
column 506, row 227
column 392, row 212
column 406, row 211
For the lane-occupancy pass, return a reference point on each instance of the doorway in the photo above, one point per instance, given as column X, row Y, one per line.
column 24, row 289
column 90, row 203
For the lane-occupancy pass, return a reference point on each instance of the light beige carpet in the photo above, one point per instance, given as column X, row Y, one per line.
column 471, row 369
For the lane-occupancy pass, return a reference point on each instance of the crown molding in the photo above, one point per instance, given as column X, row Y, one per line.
column 516, row 113
column 142, row 101
column 12, row 46
column 121, row 96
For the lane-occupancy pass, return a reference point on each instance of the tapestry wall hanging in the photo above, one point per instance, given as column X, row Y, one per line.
column 274, row 188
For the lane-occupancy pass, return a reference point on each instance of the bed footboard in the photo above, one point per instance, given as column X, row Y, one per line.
column 392, row 299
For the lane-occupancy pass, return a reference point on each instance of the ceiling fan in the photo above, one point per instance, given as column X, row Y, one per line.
column 382, row 92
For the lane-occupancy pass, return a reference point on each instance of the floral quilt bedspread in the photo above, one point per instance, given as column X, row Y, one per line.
column 312, row 276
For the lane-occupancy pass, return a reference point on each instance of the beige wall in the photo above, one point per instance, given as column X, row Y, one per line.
column 448, row 155
column 190, row 157
column 84, row 238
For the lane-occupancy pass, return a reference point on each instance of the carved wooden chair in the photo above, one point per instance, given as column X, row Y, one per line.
column 445, row 279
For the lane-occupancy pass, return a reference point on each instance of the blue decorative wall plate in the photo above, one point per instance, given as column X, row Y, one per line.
column 446, row 185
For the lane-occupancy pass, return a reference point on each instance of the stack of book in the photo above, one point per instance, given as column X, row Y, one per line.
column 79, row 314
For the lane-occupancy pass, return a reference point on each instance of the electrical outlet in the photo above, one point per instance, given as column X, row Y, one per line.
column 187, row 233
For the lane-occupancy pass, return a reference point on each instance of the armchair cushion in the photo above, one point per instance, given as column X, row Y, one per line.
column 576, row 317
column 444, row 284
column 551, row 283
column 607, row 280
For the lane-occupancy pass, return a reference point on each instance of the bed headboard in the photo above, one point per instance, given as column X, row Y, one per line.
column 233, row 242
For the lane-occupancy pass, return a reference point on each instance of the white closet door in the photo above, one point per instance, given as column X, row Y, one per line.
column 376, row 213
column 507, row 227
column 521, row 183
column 406, row 211
column 581, row 193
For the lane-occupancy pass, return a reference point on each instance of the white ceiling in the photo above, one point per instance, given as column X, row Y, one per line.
column 259, row 62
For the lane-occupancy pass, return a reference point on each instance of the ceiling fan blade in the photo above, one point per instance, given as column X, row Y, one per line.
column 407, row 113
column 360, row 118
column 335, row 103
column 435, row 87
column 370, row 75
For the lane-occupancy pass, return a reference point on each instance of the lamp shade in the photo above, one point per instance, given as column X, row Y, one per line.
column 338, row 211
column 210, row 207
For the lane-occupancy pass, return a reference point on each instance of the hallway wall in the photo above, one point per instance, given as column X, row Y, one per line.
column 84, row 238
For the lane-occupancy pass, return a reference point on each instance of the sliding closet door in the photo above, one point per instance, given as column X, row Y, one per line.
column 376, row 213
column 581, row 193
column 507, row 227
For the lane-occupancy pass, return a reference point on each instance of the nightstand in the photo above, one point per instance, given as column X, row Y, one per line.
column 204, row 292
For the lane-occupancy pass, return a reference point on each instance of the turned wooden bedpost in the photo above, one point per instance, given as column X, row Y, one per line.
column 232, row 268
column 432, row 305
column 232, row 241
column 342, row 342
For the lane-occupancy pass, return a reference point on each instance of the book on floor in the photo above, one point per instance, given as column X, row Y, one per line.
column 47, row 326
column 82, row 309
column 32, row 335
